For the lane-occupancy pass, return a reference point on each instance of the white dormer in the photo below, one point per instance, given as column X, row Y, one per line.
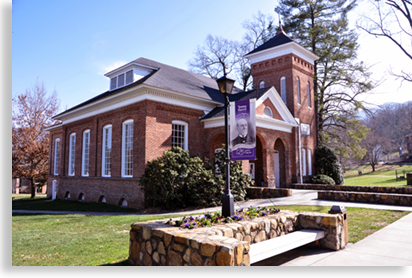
column 127, row 74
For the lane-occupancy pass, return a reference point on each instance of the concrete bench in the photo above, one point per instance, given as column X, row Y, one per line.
column 272, row 247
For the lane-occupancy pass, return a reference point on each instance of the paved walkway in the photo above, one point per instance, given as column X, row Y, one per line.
column 299, row 197
column 390, row 246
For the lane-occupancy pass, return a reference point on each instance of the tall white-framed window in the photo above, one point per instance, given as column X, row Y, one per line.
column 107, row 151
column 283, row 88
column 72, row 152
column 180, row 132
column 127, row 148
column 303, row 162
column 298, row 89
column 56, row 156
column 308, row 91
column 85, row 153
column 262, row 85
column 309, row 162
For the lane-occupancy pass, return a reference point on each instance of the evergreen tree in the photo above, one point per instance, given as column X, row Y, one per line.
column 322, row 27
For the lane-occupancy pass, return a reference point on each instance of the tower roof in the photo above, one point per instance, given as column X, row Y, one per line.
column 279, row 39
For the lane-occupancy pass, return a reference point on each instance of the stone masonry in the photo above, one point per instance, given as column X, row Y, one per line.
column 156, row 243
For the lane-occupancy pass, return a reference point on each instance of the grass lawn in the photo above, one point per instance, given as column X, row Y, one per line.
column 26, row 197
column 104, row 240
column 384, row 175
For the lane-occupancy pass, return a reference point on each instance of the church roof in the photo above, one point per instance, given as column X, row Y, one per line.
column 220, row 111
column 279, row 39
column 167, row 77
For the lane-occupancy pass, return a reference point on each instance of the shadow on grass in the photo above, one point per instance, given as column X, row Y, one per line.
column 121, row 263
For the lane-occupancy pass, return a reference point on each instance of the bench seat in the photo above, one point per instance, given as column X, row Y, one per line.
column 272, row 247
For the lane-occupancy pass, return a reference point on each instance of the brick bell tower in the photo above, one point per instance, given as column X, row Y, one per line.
column 289, row 67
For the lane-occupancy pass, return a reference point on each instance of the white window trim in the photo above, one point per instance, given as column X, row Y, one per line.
column 304, row 162
column 283, row 93
column 123, row 148
column 186, row 138
column 72, row 149
column 309, row 162
column 124, row 80
column 56, row 152
column 298, row 90
column 103, row 150
column 267, row 108
column 84, row 154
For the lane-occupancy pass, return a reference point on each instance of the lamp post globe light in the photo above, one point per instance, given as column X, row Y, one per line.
column 225, row 87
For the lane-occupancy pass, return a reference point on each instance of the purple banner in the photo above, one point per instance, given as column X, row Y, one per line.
column 243, row 130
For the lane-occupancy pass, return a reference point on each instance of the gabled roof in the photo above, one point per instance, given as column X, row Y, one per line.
column 215, row 118
column 183, row 81
column 220, row 111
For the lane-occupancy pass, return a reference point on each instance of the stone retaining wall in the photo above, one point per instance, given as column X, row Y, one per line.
column 373, row 198
column 266, row 192
column 228, row 244
column 377, row 189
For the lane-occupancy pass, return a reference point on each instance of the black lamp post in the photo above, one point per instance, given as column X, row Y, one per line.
column 225, row 86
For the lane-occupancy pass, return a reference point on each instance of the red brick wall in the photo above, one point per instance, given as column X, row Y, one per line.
column 291, row 67
column 152, row 136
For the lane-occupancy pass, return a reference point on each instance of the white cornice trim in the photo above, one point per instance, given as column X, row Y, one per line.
column 280, row 106
column 277, row 51
column 134, row 95
column 261, row 121
column 53, row 127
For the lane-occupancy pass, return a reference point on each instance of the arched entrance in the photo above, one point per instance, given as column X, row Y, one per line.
column 280, row 164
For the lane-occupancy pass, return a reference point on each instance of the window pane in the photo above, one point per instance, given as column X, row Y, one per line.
column 298, row 89
column 113, row 83
column 128, row 149
column 283, row 89
column 129, row 77
column 120, row 80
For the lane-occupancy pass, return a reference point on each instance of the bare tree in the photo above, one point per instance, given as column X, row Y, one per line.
column 219, row 56
column 398, row 12
column 32, row 113
column 215, row 57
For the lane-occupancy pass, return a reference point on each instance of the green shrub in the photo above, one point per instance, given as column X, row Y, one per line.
column 326, row 163
column 322, row 179
column 176, row 180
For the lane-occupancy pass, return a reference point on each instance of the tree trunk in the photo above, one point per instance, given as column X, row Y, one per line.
column 373, row 167
column 33, row 188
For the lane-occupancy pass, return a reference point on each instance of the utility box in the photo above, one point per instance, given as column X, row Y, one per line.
column 341, row 210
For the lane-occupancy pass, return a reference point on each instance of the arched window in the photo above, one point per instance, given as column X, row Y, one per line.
column 308, row 90
column 268, row 112
column 127, row 149
column 56, row 156
column 107, row 151
column 309, row 162
column 85, row 153
column 298, row 89
column 81, row 197
column 72, row 151
column 102, row 199
column 67, row 195
column 283, row 88
column 262, row 85
column 123, row 203
column 303, row 162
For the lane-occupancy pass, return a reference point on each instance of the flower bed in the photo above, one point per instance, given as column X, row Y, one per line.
column 209, row 219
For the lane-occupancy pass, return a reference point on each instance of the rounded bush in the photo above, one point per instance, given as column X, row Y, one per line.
column 326, row 163
column 322, row 179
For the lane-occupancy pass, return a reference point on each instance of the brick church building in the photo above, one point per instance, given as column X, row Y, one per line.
column 99, row 150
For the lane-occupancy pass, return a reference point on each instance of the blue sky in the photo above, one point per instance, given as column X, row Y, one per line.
column 70, row 45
